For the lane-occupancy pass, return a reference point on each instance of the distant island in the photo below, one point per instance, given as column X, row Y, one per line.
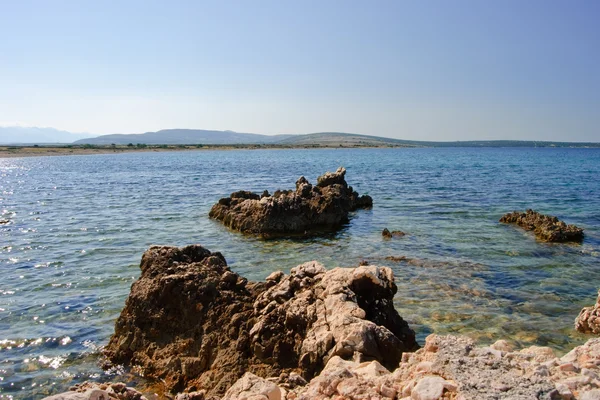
column 20, row 141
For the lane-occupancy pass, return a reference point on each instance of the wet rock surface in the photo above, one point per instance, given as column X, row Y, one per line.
column 99, row 391
column 546, row 228
column 306, row 211
column 588, row 320
column 192, row 324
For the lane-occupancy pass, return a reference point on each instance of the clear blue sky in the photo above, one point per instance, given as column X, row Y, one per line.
column 431, row 70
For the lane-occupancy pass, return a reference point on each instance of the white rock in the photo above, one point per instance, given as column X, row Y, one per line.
column 591, row 395
column 428, row 388
column 252, row 387
column 370, row 370
column 91, row 394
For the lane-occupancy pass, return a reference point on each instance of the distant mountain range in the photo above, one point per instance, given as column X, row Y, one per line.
column 33, row 135
column 185, row 136
column 21, row 135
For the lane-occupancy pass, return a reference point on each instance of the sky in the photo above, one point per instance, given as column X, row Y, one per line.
column 420, row 70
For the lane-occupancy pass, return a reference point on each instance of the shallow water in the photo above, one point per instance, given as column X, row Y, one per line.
column 79, row 224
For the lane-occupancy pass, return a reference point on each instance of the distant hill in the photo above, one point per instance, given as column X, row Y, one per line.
column 20, row 135
column 33, row 135
column 184, row 136
column 352, row 139
column 345, row 139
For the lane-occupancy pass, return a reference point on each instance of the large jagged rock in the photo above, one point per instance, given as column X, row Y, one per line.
column 546, row 228
column 588, row 320
column 306, row 211
column 193, row 324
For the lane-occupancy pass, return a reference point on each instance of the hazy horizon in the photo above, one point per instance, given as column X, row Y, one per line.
column 436, row 72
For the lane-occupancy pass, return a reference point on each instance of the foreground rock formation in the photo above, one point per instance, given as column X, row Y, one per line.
column 193, row 324
column 546, row 228
column 447, row 367
column 588, row 320
column 307, row 210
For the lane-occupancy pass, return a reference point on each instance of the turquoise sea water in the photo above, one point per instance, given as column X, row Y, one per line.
column 77, row 227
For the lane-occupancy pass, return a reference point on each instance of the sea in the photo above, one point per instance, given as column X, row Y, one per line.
column 74, row 229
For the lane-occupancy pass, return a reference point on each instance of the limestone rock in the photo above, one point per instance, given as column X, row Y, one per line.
column 448, row 367
column 99, row 391
column 588, row 320
column 192, row 323
column 306, row 211
column 451, row 367
column 546, row 228
column 428, row 388
column 251, row 386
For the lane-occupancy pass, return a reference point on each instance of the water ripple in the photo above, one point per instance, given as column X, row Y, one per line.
column 78, row 225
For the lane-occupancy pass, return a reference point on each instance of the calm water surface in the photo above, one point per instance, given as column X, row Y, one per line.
column 77, row 227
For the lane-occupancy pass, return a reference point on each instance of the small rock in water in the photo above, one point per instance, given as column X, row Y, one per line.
column 388, row 235
column 545, row 227
column 309, row 210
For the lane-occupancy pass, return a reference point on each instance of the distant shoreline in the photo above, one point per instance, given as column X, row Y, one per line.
column 68, row 150
column 73, row 150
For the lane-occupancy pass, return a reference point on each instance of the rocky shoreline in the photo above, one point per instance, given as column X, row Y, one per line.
column 195, row 330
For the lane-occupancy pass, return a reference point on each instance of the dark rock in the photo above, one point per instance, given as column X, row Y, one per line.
column 546, row 227
column 306, row 211
column 388, row 235
column 190, row 324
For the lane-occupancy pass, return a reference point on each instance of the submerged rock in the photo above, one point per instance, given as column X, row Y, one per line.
column 191, row 323
column 388, row 235
column 588, row 320
column 545, row 227
column 307, row 210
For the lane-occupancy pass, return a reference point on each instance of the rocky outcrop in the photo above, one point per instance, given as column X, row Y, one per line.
column 306, row 211
column 193, row 324
column 588, row 320
column 546, row 228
